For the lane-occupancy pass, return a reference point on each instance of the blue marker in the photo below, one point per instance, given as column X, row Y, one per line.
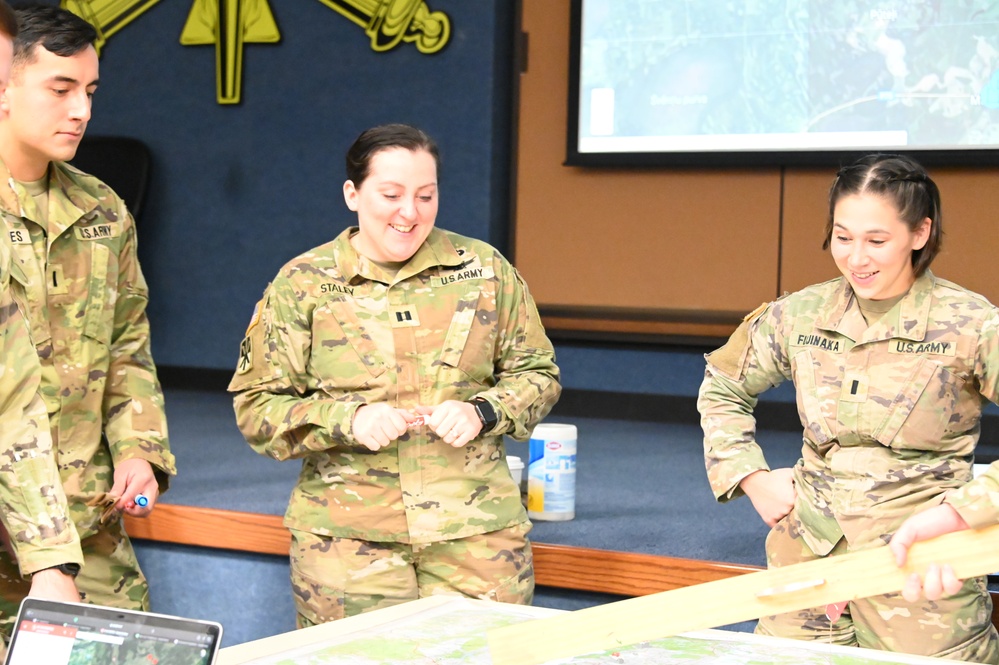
column 141, row 500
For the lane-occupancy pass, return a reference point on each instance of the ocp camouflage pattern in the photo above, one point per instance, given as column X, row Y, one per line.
column 33, row 506
column 890, row 412
column 334, row 331
column 85, row 300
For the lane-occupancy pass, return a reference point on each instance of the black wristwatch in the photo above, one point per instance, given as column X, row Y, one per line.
column 71, row 569
column 486, row 412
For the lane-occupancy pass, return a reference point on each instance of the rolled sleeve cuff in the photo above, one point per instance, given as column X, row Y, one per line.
column 977, row 503
column 40, row 558
column 338, row 418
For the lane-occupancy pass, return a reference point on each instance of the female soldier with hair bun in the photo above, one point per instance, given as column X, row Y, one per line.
column 391, row 361
column 891, row 366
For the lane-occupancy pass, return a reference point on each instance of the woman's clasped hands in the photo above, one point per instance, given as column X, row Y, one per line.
column 377, row 425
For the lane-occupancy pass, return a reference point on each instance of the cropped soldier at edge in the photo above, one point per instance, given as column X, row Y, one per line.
column 85, row 301
column 36, row 527
column 890, row 365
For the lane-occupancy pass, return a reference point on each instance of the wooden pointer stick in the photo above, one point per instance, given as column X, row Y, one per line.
column 972, row 553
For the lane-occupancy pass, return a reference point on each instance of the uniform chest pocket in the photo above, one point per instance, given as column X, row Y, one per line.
column 345, row 354
column 100, row 296
column 469, row 346
column 815, row 395
column 928, row 409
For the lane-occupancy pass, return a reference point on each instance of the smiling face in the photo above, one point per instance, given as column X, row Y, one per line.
column 873, row 247
column 46, row 110
column 396, row 204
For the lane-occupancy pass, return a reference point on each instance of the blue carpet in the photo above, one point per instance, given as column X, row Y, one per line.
column 641, row 487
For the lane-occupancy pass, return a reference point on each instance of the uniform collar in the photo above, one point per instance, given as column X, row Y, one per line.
column 914, row 308
column 437, row 250
column 8, row 193
column 74, row 199
column 907, row 320
column 64, row 178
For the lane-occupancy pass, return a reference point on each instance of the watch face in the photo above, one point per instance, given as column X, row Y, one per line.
column 486, row 412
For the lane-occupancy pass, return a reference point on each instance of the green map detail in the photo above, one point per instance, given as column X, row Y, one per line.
column 455, row 634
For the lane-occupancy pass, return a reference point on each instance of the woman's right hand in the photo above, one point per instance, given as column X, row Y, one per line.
column 377, row 425
column 772, row 493
column 938, row 581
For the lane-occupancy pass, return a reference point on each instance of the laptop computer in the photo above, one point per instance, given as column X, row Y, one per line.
column 57, row 633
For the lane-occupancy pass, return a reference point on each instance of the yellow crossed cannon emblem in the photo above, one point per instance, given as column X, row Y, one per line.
column 388, row 22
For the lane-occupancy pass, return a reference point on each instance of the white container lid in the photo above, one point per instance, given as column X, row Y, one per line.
column 554, row 431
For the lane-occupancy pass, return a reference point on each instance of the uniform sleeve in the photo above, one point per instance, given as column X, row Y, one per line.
column 527, row 378
column 134, row 415
column 33, row 506
column 978, row 501
column 753, row 360
column 279, row 407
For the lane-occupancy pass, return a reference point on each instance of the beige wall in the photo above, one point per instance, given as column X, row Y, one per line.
column 670, row 251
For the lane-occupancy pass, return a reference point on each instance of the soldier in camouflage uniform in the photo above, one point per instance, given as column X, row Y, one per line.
column 392, row 361
column 890, row 365
column 35, row 516
column 85, row 301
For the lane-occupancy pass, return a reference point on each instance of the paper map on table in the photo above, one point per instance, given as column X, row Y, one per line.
column 455, row 634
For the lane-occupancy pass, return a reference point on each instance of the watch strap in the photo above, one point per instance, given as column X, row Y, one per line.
column 486, row 412
column 71, row 569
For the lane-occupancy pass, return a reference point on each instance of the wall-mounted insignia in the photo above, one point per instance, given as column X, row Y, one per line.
column 107, row 16
column 229, row 24
column 389, row 22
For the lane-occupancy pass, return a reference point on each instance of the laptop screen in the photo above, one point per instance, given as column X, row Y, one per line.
column 62, row 633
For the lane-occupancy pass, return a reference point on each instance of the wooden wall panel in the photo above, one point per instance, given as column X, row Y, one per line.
column 803, row 261
column 970, row 201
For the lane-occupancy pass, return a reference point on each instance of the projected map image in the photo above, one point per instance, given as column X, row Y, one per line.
column 789, row 74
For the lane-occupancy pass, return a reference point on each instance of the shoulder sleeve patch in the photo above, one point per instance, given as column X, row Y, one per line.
column 730, row 359
column 252, row 365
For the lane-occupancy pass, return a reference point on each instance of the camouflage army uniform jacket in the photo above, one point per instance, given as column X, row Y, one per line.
column 33, row 505
column 86, row 304
column 333, row 333
column 891, row 412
